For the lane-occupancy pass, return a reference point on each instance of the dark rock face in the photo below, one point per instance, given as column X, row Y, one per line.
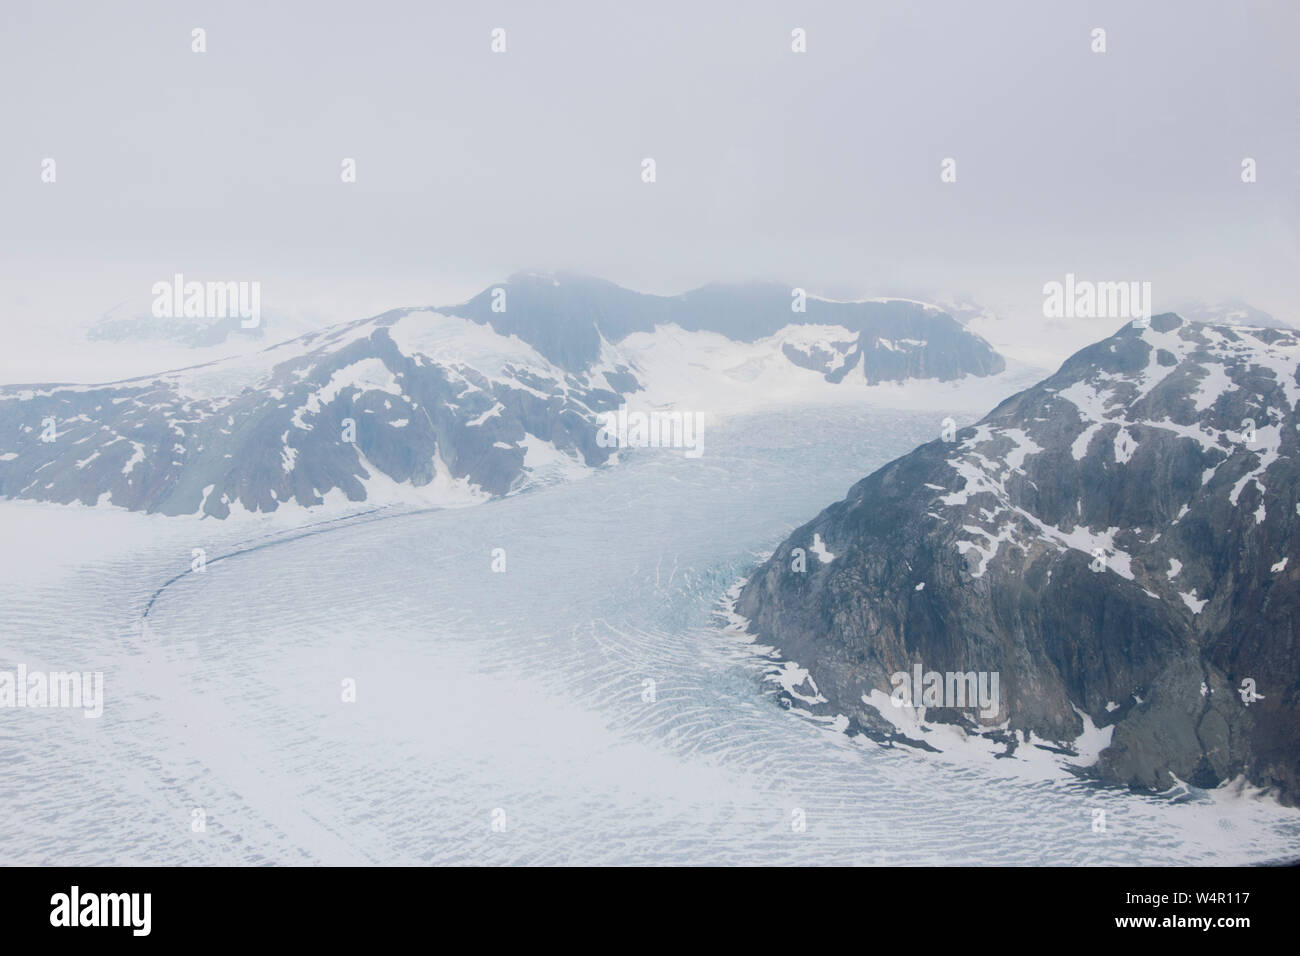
column 1118, row 541
column 443, row 406
column 194, row 440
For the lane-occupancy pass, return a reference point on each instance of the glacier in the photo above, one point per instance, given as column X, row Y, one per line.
column 586, row 705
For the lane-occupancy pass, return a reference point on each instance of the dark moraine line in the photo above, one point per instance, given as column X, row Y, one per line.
column 321, row 528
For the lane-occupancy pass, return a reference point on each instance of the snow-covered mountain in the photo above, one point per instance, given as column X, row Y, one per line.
column 412, row 406
column 454, row 405
column 568, row 318
column 1121, row 543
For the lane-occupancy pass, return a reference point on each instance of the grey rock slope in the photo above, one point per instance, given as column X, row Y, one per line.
column 445, row 406
column 435, row 404
column 1119, row 541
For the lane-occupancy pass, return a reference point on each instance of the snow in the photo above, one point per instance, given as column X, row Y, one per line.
column 984, row 553
column 365, row 375
column 288, row 454
column 381, row 492
column 1103, row 400
column 1280, row 566
column 1267, row 449
column 1282, row 360
column 983, row 475
column 1079, row 450
column 62, row 540
column 1213, row 384
column 1023, row 447
column 829, row 343
column 725, row 376
column 457, row 343
column 520, row 690
column 1194, row 605
column 1090, row 542
column 492, row 412
column 137, row 456
column 545, row 463
column 1125, row 445
column 707, row 371
column 819, row 548
column 226, row 378
column 1155, row 373
column 791, row 677
column 1092, row 404
column 369, row 374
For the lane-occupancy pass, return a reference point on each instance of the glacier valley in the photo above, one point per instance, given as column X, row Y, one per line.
column 585, row 705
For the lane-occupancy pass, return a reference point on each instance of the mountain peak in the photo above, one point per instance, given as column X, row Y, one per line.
column 1114, row 542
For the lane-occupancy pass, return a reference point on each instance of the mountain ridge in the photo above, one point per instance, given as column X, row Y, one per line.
column 1114, row 541
column 431, row 405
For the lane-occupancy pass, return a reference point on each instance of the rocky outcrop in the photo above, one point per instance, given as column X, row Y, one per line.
column 1118, row 543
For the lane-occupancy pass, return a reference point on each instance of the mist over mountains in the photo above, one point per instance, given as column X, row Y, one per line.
column 437, row 407
column 1113, row 541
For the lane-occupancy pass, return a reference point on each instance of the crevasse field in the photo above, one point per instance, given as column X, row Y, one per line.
column 503, row 717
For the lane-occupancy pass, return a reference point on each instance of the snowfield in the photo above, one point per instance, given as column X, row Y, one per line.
column 589, row 694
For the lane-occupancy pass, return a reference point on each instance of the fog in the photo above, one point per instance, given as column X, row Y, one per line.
column 819, row 168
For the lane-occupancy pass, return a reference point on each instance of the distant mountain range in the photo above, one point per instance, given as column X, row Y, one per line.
column 132, row 322
column 1231, row 312
column 449, row 406
column 1120, row 543
column 568, row 318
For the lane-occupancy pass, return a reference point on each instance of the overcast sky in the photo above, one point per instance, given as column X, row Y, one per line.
column 820, row 169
